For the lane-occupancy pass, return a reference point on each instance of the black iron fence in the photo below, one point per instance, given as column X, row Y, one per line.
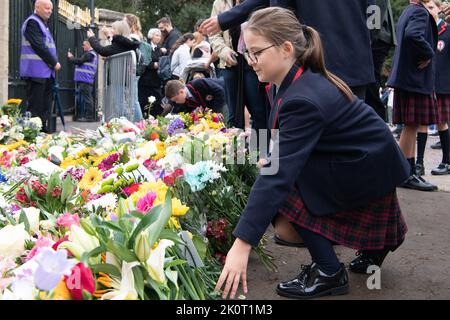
column 66, row 37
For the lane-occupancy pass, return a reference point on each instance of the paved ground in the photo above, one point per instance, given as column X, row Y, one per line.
column 419, row 269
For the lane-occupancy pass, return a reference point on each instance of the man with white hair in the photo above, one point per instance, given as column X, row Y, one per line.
column 39, row 61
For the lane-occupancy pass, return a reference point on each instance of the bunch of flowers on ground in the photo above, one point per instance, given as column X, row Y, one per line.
column 128, row 211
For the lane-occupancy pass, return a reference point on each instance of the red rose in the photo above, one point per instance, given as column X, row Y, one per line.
column 80, row 279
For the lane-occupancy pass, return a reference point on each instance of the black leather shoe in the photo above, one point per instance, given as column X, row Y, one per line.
column 365, row 259
column 418, row 183
column 285, row 243
column 313, row 283
column 441, row 170
column 420, row 169
column 436, row 146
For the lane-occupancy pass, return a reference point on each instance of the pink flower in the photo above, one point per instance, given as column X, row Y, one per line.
column 42, row 242
column 141, row 125
column 145, row 204
column 67, row 220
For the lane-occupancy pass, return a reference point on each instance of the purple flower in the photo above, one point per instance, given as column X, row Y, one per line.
column 76, row 173
column 175, row 125
column 108, row 162
column 52, row 266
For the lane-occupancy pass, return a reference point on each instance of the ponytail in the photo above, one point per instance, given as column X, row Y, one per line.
column 313, row 58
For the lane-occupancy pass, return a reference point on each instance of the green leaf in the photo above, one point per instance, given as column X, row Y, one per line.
column 139, row 282
column 112, row 226
column 23, row 219
column 200, row 245
column 121, row 251
column 106, row 268
column 146, row 221
column 163, row 218
column 157, row 289
column 174, row 263
column 93, row 253
column 171, row 235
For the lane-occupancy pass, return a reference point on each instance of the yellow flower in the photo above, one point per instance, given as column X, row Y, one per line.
column 161, row 151
column 84, row 152
column 174, row 223
column 159, row 187
column 14, row 101
column 70, row 161
column 13, row 146
column 90, row 179
column 178, row 209
column 61, row 292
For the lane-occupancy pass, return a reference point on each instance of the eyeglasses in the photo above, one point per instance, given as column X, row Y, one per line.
column 253, row 57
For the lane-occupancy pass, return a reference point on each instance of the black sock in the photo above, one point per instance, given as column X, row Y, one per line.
column 421, row 144
column 412, row 164
column 445, row 143
column 321, row 251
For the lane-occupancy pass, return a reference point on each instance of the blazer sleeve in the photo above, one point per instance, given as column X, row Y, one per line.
column 238, row 14
column 214, row 88
column 415, row 33
column 301, row 126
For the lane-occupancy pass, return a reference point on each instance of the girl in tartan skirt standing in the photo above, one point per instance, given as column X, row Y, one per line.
column 333, row 170
column 413, row 77
column 443, row 96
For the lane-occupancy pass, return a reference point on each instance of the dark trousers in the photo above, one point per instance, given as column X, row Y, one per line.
column 359, row 91
column 145, row 92
column 86, row 107
column 380, row 51
column 254, row 96
column 40, row 99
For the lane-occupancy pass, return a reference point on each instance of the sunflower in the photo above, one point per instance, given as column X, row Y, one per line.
column 91, row 178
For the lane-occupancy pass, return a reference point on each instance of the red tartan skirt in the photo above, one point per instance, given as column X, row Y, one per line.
column 375, row 226
column 414, row 108
column 443, row 103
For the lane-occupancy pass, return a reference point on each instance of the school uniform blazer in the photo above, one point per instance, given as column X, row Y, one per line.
column 342, row 25
column 338, row 153
column 417, row 38
column 206, row 92
column 443, row 59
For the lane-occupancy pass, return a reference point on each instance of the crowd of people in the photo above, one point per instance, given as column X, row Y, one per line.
column 315, row 86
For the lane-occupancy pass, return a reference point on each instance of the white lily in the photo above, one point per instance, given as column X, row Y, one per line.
column 124, row 290
column 155, row 263
column 80, row 242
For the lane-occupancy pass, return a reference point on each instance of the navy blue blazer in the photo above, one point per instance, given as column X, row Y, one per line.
column 417, row 38
column 338, row 153
column 342, row 25
column 443, row 59
column 206, row 93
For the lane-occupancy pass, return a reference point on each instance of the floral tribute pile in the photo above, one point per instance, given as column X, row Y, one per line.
column 128, row 211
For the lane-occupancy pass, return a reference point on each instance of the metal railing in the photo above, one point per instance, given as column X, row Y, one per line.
column 120, row 86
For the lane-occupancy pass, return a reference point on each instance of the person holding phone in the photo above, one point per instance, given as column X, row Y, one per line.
column 242, row 86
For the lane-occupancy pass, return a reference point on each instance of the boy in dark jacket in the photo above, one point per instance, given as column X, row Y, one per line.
column 205, row 93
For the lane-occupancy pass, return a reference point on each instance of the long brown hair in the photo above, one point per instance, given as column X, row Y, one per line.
column 306, row 41
column 182, row 40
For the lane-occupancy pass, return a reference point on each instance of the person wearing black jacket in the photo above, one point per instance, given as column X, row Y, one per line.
column 85, row 70
column 342, row 25
column 199, row 93
column 383, row 39
column 150, row 83
column 120, row 43
column 39, row 73
column 169, row 33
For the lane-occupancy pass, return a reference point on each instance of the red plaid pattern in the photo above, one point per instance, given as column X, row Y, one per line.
column 414, row 108
column 443, row 102
column 373, row 227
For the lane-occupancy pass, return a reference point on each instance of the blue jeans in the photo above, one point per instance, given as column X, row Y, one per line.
column 137, row 107
column 254, row 97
